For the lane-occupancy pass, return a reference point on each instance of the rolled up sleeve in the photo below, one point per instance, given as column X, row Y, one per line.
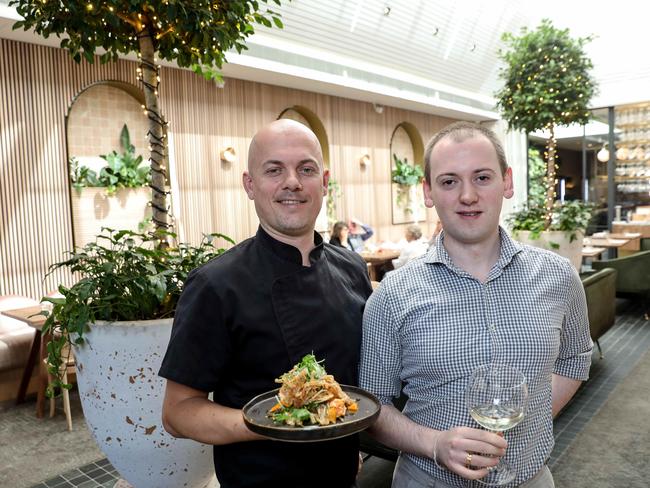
column 381, row 358
column 574, row 359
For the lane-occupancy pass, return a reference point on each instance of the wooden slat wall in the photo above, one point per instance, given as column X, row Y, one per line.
column 37, row 86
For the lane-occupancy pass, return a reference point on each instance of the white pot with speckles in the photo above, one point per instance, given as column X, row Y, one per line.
column 556, row 241
column 121, row 394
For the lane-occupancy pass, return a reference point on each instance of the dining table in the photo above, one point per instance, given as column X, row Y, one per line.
column 592, row 252
column 376, row 260
column 642, row 228
column 634, row 239
column 38, row 352
column 625, row 241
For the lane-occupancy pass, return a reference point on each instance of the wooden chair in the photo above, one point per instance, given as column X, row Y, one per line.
column 67, row 367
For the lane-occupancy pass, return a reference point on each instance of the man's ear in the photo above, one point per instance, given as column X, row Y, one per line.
column 326, row 179
column 509, row 189
column 428, row 200
column 247, row 183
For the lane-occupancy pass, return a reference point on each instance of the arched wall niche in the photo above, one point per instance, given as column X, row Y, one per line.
column 96, row 115
column 93, row 125
column 407, row 203
column 310, row 119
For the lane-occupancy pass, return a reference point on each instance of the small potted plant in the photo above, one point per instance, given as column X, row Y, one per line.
column 118, row 317
column 122, row 170
column 117, row 196
column 407, row 177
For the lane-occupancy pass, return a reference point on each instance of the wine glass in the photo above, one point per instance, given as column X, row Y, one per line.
column 497, row 396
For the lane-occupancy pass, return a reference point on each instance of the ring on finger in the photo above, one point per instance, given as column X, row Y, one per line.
column 468, row 460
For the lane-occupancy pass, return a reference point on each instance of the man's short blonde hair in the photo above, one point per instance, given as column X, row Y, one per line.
column 459, row 132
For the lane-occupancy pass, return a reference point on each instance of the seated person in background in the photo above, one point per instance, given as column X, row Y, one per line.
column 415, row 246
column 340, row 233
column 359, row 233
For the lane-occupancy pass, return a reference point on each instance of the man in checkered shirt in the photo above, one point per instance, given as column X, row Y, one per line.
column 476, row 297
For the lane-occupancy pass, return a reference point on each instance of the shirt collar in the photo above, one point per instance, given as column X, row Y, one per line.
column 509, row 248
column 287, row 252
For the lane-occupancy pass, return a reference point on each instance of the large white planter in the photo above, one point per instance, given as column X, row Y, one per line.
column 93, row 209
column 556, row 241
column 121, row 395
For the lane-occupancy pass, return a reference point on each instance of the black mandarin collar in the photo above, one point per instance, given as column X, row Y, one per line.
column 288, row 252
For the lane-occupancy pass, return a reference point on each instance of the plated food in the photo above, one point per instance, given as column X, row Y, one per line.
column 257, row 418
column 310, row 396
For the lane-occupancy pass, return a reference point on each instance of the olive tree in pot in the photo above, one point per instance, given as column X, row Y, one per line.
column 118, row 318
column 547, row 83
column 189, row 34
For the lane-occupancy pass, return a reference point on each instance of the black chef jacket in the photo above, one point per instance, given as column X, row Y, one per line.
column 248, row 316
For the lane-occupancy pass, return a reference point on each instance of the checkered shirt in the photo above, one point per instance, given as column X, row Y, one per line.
column 430, row 324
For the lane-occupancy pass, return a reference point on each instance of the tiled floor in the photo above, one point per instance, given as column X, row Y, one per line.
column 93, row 475
column 622, row 347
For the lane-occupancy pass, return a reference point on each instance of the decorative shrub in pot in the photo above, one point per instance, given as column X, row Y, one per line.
column 569, row 221
column 118, row 317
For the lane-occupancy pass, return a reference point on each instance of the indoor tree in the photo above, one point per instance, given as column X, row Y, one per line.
column 547, row 83
column 191, row 34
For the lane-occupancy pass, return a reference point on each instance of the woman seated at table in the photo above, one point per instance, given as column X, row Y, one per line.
column 415, row 246
column 340, row 233
column 352, row 235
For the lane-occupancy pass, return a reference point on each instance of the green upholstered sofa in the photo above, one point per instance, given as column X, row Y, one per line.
column 633, row 278
column 600, row 291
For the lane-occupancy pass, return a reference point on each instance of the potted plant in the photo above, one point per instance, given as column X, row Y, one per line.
column 547, row 83
column 118, row 318
column 569, row 221
column 122, row 170
column 407, row 177
column 117, row 197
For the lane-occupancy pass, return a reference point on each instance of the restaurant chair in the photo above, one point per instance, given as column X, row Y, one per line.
column 633, row 278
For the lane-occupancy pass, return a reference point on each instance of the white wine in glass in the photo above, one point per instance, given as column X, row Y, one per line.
column 496, row 417
column 497, row 396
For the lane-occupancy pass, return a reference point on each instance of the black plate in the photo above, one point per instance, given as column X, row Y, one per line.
column 255, row 417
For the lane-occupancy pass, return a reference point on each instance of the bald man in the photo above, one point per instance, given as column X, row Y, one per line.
column 251, row 314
